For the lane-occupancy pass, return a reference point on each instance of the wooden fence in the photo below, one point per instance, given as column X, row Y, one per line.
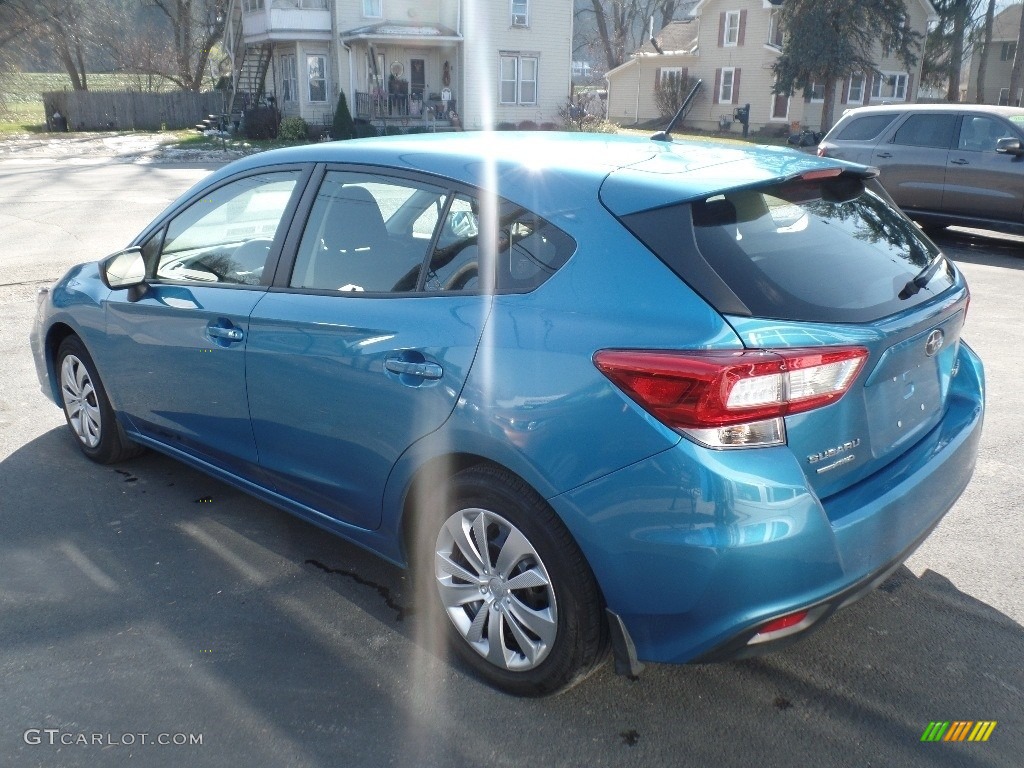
column 131, row 110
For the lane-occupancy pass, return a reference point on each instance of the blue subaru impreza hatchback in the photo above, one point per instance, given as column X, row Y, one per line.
column 682, row 400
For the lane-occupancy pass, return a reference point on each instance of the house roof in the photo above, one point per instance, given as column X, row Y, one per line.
column 392, row 32
column 675, row 37
column 1006, row 25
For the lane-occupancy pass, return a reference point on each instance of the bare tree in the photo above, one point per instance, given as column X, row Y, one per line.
column 982, row 51
column 621, row 25
column 196, row 26
column 66, row 25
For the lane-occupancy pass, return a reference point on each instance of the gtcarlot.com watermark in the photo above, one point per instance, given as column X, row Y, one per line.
column 55, row 737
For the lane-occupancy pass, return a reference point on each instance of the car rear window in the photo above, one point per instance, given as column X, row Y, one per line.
column 866, row 127
column 819, row 251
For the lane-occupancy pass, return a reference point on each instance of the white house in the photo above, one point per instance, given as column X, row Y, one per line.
column 404, row 61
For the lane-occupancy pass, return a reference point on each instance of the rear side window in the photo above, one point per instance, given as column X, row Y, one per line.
column 926, row 130
column 866, row 127
column 816, row 251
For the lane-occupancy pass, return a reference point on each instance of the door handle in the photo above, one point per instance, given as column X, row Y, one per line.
column 960, row 161
column 423, row 370
column 883, row 154
column 228, row 334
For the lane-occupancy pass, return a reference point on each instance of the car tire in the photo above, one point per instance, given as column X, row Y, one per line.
column 526, row 616
column 87, row 408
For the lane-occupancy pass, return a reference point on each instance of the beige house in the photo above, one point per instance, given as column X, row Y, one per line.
column 410, row 62
column 999, row 56
column 732, row 45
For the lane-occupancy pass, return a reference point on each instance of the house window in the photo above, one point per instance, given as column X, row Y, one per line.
column 520, row 13
column 817, row 91
column 372, row 9
column 581, row 69
column 726, row 87
column 253, row 5
column 775, row 37
column 855, row 93
column 889, row 85
column 517, row 80
column 289, row 79
column 665, row 73
column 732, row 28
column 316, row 67
column 1007, row 52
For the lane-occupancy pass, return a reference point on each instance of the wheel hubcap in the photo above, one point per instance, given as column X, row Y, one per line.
column 80, row 401
column 495, row 589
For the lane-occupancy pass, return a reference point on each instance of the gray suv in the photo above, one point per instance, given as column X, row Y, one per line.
column 943, row 164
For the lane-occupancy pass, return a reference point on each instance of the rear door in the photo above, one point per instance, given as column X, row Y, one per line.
column 980, row 181
column 351, row 357
column 913, row 161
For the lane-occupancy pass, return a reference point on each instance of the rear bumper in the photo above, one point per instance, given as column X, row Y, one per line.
column 695, row 549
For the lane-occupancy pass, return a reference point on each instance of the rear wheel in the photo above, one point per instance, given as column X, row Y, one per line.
column 519, row 602
column 86, row 407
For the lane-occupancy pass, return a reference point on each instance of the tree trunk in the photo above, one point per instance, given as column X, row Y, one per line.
column 602, row 30
column 956, row 50
column 1018, row 65
column 828, row 106
column 979, row 97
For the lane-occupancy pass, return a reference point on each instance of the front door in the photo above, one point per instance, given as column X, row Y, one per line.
column 417, row 77
column 180, row 348
column 980, row 181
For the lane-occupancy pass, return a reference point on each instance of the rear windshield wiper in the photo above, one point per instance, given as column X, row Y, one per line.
column 922, row 278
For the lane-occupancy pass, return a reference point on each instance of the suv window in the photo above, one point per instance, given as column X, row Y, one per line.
column 524, row 249
column 818, row 251
column 362, row 234
column 927, row 130
column 226, row 236
column 981, row 133
column 866, row 127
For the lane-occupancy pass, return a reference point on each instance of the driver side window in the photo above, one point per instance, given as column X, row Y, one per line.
column 226, row 236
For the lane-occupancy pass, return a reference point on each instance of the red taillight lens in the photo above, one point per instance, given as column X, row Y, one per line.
column 701, row 390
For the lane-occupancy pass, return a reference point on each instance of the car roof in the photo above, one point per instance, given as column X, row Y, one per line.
column 939, row 107
column 546, row 171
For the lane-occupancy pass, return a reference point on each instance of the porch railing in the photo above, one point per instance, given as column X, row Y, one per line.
column 381, row 106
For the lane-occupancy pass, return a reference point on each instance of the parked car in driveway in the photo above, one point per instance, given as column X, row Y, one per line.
column 942, row 164
column 677, row 399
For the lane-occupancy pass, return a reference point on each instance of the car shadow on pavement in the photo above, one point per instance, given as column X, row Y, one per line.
column 147, row 597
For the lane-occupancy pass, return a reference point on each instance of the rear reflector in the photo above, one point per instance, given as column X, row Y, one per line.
column 709, row 390
column 787, row 625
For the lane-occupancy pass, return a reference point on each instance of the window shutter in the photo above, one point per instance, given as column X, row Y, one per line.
column 846, row 91
column 736, row 86
column 683, row 74
column 657, row 77
column 910, row 86
column 743, row 26
column 867, row 87
column 718, row 86
column 721, row 29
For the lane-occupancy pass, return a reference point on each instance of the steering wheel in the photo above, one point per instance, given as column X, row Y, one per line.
column 462, row 277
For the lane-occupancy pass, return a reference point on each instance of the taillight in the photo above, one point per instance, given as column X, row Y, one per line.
column 732, row 399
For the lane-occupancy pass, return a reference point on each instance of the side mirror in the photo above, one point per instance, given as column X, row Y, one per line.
column 124, row 269
column 1009, row 146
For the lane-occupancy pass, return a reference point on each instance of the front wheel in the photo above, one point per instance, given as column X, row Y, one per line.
column 86, row 407
column 519, row 601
